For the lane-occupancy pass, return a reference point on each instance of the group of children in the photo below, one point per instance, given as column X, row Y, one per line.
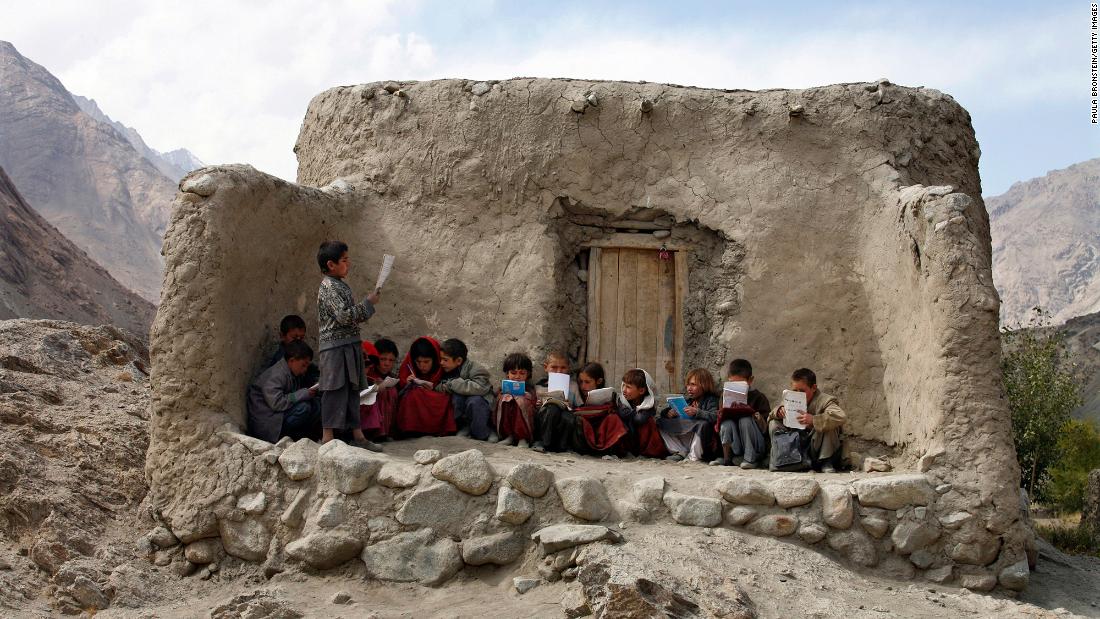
column 438, row 390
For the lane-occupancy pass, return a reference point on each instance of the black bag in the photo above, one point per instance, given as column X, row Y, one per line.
column 790, row 451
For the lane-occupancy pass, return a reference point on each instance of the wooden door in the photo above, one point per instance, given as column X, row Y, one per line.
column 635, row 314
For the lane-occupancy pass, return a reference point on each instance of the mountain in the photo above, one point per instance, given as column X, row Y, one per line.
column 1082, row 342
column 174, row 164
column 44, row 275
column 83, row 175
column 1046, row 244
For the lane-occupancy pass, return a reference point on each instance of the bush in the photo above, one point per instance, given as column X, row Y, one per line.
column 1078, row 451
column 1070, row 539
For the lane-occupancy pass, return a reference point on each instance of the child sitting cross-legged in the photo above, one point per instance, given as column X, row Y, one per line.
column 469, row 387
column 555, row 426
column 741, row 427
column 420, row 408
column 514, row 418
column 688, row 436
column 277, row 405
column 637, row 408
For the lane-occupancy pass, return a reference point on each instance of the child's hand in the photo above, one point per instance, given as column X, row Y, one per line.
column 313, row 392
column 780, row 413
column 506, row 397
column 806, row 419
column 670, row 413
column 691, row 411
column 374, row 296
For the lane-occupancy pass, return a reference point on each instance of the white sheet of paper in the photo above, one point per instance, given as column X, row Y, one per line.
column 599, row 397
column 384, row 274
column 388, row 382
column 794, row 402
column 558, row 382
column 735, row 392
column 368, row 395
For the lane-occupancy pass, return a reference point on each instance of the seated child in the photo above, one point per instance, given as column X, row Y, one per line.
column 386, row 403
column 468, row 384
column 341, row 355
column 741, row 428
column 823, row 419
column 600, row 430
column 688, row 438
column 514, row 418
column 420, row 408
column 637, row 408
column 277, row 406
column 292, row 327
column 555, row 426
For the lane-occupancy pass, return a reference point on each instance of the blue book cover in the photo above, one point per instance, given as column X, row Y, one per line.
column 513, row 388
column 679, row 403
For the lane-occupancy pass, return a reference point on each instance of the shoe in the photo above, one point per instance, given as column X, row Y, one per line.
column 539, row 447
column 493, row 438
column 828, row 468
column 610, row 457
column 368, row 445
column 675, row 457
column 719, row 462
column 463, row 433
column 748, row 466
column 523, row 444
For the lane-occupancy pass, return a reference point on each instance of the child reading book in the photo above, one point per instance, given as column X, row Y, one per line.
column 514, row 418
column 471, row 392
column 341, row 357
column 382, row 374
column 277, row 405
column 555, row 426
column 741, row 425
column 687, row 436
column 822, row 421
column 637, row 408
column 600, row 430
column 421, row 409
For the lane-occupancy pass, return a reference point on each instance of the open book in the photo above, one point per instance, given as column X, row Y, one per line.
column 734, row 393
column 794, row 402
column 388, row 382
column 557, row 386
column 368, row 395
column 599, row 397
column 678, row 403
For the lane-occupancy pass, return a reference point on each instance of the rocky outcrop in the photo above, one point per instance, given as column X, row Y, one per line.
column 44, row 275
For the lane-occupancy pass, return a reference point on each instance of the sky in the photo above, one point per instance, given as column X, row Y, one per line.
column 230, row 80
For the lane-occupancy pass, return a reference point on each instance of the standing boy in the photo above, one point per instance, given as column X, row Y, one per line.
column 341, row 357
column 470, row 389
column 823, row 419
column 741, row 429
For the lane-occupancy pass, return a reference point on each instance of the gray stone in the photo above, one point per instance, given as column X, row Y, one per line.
column 875, row 465
column 583, row 497
column 910, row 535
column 349, row 469
column 341, row 597
column 854, row 545
column 325, row 549
column 398, row 475
column 440, row 506
column 837, row 506
column 922, row 559
column 955, row 520
column 650, row 492
column 513, row 507
column 299, row 461
column 745, row 491
column 812, row 532
column 163, row 538
column 332, row 512
column 498, row 549
column 427, row 456
column 794, row 491
column 740, row 515
column 982, row 551
column 876, row 526
column 1015, row 576
column 295, row 512
column 775, row 525
column 561, row 536
column 247, row 539
column 469, row 471
column 573, row 602
column 977, row 581
column 531, row 479
column 414, row 557
column 204, row 551
column 480, row 88
column 88, row 594
column 523, row 584
column 695, row 511
column 940, row 574
column 632, row 511
column 894, row 491
column 202, row 185
column 253, row 503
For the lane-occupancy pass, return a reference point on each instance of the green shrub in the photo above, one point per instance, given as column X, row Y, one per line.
column 1073, row 539
column 1078, row 453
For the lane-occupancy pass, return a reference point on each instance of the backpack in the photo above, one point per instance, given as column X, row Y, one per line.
column 790, row 451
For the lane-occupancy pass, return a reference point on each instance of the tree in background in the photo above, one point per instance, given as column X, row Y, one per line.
column 1078, row 453
column 1041, row 391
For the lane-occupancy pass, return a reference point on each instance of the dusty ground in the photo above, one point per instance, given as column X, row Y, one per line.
column 72, row 438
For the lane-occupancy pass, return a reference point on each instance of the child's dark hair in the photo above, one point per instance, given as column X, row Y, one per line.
column 740, row 367
column 330, row 251
column 805, row 375
column 595, row 371
column 636, row 378
column 704, row 379
column 518, row 361
column 297, row 350
column 386, row 345
column 291, row 321
column 423, row 348
column 455, row 349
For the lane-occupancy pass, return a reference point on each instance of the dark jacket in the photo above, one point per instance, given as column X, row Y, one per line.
column 273, row 393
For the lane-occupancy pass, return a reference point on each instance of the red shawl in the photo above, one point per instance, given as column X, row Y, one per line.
column 603, row 429
column 516, row 418
column 419, row 409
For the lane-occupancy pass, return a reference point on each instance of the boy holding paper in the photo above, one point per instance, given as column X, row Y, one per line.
column 821, row 422
column 469, row 387
column 742, row 420
column 558, row 395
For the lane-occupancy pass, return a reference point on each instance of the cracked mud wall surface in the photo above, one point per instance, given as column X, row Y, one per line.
column 854, row 225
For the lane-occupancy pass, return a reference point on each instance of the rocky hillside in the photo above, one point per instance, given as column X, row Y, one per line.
column 174, row 164
column 1083, row 346
column 1046, row 244
column 83, row 175
column 44, row 275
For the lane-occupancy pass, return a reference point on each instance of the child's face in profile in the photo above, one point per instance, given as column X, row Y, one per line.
column 298, row 367
column 633, row 394
column 449, row 363
column 293, row 335
column 518, row 375
column 339, row 268
column 423, row 364
column 557, row 366
column 386, row 361
column 586, row 383
column 693, row 389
